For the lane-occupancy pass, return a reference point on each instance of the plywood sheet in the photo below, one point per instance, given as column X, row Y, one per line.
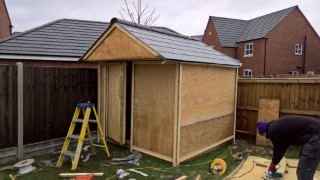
column 207, row 92
column 291, row 169
column 153, row 107
column 268, row 110
column 203, row 134
column 116, row 98
column 254, row 168
column 118, row 45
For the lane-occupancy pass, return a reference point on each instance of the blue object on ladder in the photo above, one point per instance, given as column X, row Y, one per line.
column 85, row 105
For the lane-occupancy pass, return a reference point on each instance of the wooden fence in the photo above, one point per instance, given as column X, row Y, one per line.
column 50, row 98
column 297, row 96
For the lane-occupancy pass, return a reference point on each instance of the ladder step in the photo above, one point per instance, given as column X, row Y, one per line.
column 81, row 120
column 73, row 136
column 98, row 145
column 68, row 153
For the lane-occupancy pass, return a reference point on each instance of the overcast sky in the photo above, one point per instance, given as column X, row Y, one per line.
column 188, row 17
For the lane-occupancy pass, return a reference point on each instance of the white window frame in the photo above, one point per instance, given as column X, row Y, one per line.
column 298, row 49
column 248, row 49
column 247, row 73
column 293, row 72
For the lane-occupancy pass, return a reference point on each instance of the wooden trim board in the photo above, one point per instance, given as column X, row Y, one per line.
column 181, row 159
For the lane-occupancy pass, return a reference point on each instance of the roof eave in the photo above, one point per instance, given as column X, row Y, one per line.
column 42, row 58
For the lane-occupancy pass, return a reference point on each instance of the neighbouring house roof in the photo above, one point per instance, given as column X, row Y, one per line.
column 64, row 39
column 231, row 31
column 197, row 37
column 174, row 46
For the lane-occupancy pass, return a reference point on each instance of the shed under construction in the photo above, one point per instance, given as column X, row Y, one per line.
column 169, row 95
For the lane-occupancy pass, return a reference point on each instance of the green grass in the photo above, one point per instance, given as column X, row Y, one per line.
column 154, row 167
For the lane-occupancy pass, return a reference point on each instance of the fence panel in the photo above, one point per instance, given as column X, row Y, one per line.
column 50, row 98
column 297, row 97
column 8, row 106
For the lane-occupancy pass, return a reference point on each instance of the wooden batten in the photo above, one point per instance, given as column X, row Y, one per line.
column 176, row 133
column 102, row 96
column 167, row 158
column 119, row 44
column 235, row 105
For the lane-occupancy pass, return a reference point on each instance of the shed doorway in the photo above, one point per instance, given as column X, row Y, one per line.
column 118, row 101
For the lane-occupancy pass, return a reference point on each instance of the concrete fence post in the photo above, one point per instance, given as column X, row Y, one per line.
column 20, row 152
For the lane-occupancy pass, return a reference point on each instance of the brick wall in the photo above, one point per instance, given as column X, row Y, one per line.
column 281, row 42
column 280, row 47
column 255, row 62
column 5, row 25
column 210, row 38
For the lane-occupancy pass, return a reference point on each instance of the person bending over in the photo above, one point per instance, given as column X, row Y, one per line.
column 294, row 130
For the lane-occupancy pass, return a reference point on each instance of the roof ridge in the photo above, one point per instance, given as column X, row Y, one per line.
column 82, row 20
column 30, row 30
column 275, row 12
column 265, row 16
column 228, row 18
column 129, row 23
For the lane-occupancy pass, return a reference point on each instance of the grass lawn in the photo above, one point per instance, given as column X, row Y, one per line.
column 154, row 167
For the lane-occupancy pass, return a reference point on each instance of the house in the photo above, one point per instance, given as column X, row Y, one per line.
column 59, row 43
column 169, row 95
column 278, row 43
column 5, row 25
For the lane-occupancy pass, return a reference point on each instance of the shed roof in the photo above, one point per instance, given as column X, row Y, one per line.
column 231, row 31
column 174, row 46
column 67, row 38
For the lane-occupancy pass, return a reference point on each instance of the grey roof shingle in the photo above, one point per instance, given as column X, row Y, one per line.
column 231, row 31
column 177, row 47
column 60, row 38
column 259, row 27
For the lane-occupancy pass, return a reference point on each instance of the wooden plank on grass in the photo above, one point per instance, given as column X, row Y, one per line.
column 268, row 110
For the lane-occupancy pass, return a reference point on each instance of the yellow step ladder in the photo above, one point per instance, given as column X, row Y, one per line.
column 86, row 109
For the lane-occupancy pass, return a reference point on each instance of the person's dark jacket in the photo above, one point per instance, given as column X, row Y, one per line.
column 290, row 130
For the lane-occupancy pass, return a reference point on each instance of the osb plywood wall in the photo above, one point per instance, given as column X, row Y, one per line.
column 207, row 106
column 118, row 45
column 153, row 110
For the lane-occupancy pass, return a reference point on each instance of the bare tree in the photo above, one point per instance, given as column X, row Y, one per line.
column 139, row 13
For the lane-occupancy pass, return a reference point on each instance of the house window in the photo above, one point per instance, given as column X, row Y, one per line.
column 247, row 73
column 248, row 50
column 298, row 49
column 293, row 72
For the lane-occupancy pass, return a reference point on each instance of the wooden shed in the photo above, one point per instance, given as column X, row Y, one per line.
column 169, row 95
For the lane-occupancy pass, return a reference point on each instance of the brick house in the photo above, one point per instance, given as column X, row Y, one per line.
column 278, row 43
column 5, row 25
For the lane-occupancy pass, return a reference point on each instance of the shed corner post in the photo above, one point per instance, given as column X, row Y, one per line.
column 20, row 152
column 132, row 105
column 177, row 112
column 235, row 105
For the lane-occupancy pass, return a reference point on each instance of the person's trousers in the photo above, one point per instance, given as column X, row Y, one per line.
column 309, row 160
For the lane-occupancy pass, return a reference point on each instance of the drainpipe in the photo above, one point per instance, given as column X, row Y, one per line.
column 265, row 57
column 304, row 55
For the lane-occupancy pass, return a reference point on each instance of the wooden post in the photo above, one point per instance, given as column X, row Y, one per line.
column 235, row 106
column 20, row 112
